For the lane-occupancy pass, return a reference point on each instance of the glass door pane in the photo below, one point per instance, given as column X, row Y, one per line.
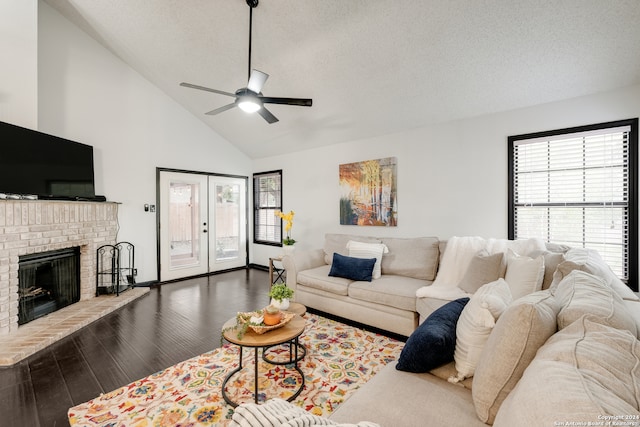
column 184, row 220
column 183, row 225
column 228, row 200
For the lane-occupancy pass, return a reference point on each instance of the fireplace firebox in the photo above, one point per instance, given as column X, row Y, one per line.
column 47, row 282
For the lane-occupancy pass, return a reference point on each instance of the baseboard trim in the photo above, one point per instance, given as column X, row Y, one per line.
column 259, row 267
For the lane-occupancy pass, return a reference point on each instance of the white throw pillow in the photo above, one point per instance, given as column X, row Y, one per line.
column 524, row 274
column 475, row 324
column 368, row 250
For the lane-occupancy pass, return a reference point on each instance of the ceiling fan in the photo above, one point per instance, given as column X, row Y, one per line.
column 250, row 98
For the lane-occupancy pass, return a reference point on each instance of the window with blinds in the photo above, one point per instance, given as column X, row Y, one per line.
column 267, row 198
column 578, row 187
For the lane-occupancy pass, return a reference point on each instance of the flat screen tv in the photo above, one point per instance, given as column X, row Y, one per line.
column 37, row 164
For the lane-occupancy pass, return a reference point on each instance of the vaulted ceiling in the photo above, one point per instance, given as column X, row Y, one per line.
column 372, row 67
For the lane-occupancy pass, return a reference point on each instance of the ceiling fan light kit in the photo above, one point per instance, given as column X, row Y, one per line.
column 250, row 98
column 248, row 105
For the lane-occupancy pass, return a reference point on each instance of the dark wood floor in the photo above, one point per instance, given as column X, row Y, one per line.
column 172, row 323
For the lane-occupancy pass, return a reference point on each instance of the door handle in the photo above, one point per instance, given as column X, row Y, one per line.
column 204, row 231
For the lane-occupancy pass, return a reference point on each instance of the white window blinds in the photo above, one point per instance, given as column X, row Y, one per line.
column 573, row 189
column 267, row 199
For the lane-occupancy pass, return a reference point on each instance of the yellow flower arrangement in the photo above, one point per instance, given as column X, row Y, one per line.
column 288, row 218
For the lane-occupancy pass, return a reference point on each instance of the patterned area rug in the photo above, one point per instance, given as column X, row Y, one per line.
column 340, row 359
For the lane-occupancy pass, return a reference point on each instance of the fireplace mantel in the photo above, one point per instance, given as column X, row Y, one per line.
column 33, row 226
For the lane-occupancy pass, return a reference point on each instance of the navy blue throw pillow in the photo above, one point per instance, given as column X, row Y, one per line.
column 352, row 268
column 433, row 343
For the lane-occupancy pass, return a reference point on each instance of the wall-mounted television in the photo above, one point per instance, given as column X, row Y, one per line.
column 33, row 163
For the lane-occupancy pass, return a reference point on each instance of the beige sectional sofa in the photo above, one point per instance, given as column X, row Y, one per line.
column 567, row 354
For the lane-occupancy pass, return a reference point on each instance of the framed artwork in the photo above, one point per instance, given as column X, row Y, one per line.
column 368, row 193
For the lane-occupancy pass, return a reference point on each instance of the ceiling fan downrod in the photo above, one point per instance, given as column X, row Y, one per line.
column 252, row 4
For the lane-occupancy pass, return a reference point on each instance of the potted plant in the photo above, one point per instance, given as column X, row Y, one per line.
column 288, row 242
column 280, row 295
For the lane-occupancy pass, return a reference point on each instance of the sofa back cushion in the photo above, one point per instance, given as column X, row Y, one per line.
column 416, row 257
column 337, row 243
column 583, row 373
column 590, row 261
column 581, row 293
column 519, row 332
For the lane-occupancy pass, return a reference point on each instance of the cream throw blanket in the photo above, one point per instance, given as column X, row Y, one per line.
column 457, row 257
column 278, row 412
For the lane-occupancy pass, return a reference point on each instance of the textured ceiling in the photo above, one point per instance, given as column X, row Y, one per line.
column 372, row 67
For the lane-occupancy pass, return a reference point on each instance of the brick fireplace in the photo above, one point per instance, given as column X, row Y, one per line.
column 35, row 226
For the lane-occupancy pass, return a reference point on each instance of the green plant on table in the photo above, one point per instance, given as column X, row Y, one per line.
column 280, row 292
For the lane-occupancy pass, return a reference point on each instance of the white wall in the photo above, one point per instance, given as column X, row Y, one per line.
column 88, row 95
column 452, row 177
column 19, row 70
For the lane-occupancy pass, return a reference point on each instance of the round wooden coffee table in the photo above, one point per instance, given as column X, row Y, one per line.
column 289, row 333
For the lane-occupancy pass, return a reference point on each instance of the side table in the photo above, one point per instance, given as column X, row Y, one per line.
column 276, row 274
column 297, row 308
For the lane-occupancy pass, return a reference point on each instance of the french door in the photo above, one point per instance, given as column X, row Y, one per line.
column 202, row 223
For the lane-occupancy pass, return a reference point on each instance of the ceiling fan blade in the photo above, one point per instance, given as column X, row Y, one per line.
column 301, row 102
column 221, row 92
column 256, row 81
column 266, row 114
column 221, row 109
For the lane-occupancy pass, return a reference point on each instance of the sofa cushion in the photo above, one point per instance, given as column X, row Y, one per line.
column 447, row 371
column 426, row 306
column 352, row 268
column 484, row 268
column 338, row 243
column 524, row 274
column 582, row 293
column 417, row 258
column 519, row 332
column 590, row 261
column 406, row 399
column 475, row 324
column 368, row 250
column 318, row 278
column 432, row 344
column 633, row 308
column 394, row 291
column 582, row 374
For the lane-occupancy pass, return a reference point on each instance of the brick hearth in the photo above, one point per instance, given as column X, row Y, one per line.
column 34, row 226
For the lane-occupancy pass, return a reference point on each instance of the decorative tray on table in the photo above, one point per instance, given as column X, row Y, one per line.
column 261, row 329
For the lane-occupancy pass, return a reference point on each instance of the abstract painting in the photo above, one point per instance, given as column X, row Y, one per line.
column 368, row 193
